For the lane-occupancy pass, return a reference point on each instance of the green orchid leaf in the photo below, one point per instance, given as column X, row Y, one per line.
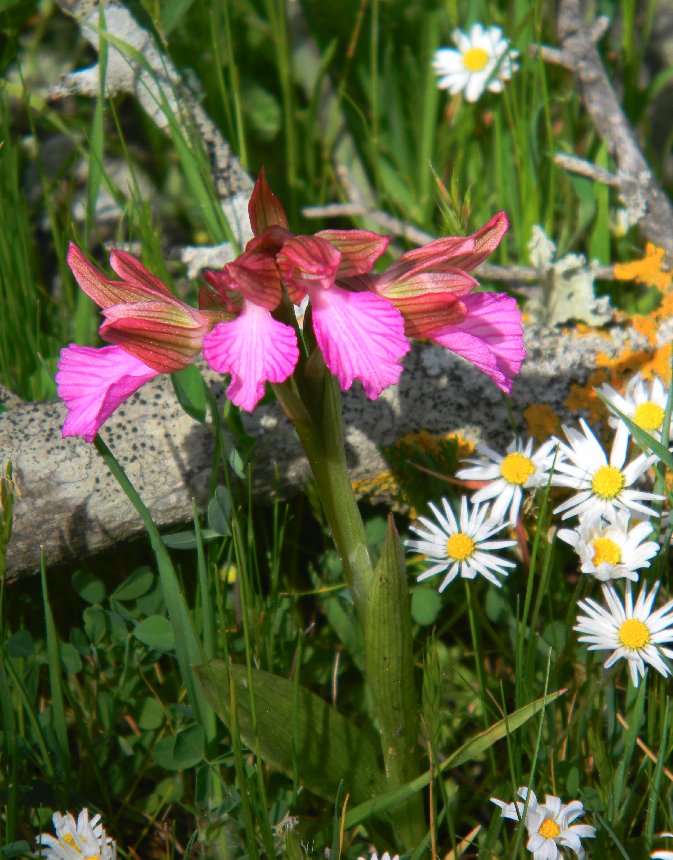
column 294, row 730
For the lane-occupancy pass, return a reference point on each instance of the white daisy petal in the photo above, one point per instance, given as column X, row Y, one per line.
column 509, row 475
column 602, row 485
column 643, row 402
column 663, row 855
column 386, row 856
column 606, row 547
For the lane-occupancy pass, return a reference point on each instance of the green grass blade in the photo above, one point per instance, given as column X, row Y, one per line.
column 96, row 138
column 10, row 755
column 389, row 660
column 187, row 647
column 55, row 678
column 646, row 441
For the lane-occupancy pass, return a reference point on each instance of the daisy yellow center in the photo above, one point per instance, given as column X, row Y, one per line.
column 633, row 634
column 474, row 59
column 517, row 469
column 460, row 546
column 549, row 829
column 608, row 482
column 649, row 415
column 69, row 840
column 606, row 551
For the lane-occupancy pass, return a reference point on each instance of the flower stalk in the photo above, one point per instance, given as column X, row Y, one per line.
column 380, row 595
column 323, row 440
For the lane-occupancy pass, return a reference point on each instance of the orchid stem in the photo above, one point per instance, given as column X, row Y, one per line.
column 313, row 404
column 323, row 441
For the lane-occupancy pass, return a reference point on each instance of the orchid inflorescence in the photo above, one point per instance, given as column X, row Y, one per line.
column 361, row 322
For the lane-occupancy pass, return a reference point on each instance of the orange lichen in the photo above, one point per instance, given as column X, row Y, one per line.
column 381, row 484
column 647, row 326
column 541, row 421
column 650, row 270
column 583, row 398
column 433, row 444
column 659, row 364
column 665, row 309
column 649, row 362
column 580, row 329
column 616, row 371
column 464, row 447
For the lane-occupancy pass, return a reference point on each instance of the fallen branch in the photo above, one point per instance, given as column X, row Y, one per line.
column 641, row 194
column 586, row 168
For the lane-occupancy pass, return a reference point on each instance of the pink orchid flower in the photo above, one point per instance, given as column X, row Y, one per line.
column 360, row 335
column 93, row 383
column 254, row 347
column 432, row 289
column 362, row 321
column 154, row 332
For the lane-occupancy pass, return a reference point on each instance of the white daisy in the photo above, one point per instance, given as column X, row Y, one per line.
column 549, row 824
column 509, row 475
column 663, row 855
column 602, row 485
column 606, row 547
column 483, row 60
column 461, row 547
column 644, row 404
column 634, row 633
column 374, row 856
column 77, row 840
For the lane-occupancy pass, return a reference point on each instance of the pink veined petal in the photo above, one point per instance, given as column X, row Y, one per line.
column 359, row 249
column 486, row 240
column 451, row 281
column 361, row 336
column 134, row 273
column 429, row 312
column 308, row 261
column 163, row 336
column 93, row 282
column 490, row 336
column 265, row 209
column 92, row 383
column 436, row 256
column 255, row 349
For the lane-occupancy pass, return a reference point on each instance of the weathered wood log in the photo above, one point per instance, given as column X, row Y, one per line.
column 68, row 504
